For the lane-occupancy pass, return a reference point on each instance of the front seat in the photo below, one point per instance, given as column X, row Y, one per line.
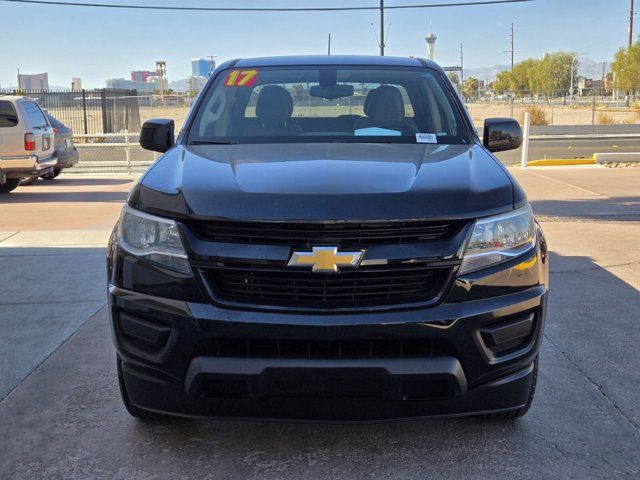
column 384, row 108
column 274, row 108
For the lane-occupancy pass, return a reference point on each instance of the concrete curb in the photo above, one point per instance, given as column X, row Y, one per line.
column 617, row 157
column 558, row 162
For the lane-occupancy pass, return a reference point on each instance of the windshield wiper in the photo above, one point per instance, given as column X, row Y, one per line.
column 212, row 142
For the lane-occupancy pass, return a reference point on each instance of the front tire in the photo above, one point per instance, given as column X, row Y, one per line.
column 134, row 411
column 10, row 185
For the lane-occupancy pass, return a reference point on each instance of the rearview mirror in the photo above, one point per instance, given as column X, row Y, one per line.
column 501, row 134
column 331, row 92
column 157, row 135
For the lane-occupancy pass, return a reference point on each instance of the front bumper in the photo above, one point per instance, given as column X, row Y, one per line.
column 480, row 344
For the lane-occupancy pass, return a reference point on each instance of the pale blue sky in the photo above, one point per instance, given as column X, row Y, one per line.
column 95, row 43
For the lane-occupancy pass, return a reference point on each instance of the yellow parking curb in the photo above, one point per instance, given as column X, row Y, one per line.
column 549, row 162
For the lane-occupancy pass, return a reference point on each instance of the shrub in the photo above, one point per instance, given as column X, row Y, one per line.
column 538, row 117
column 604, row 119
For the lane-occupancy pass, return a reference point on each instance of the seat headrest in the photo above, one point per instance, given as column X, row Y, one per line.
column 385, row 104
column 274, row 105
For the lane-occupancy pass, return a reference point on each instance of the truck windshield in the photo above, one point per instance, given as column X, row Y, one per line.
column 328, row 104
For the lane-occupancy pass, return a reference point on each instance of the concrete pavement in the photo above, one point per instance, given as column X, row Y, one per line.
column 66, row 420
column 52, row 269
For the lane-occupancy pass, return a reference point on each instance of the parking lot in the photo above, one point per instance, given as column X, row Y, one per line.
column 61, row 415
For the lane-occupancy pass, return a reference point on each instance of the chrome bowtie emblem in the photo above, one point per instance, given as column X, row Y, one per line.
column 325, row 259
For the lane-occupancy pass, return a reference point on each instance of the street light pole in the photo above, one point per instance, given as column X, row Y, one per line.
column 572, row 68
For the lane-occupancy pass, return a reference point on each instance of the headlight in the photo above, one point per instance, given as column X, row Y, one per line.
column 153, row 238
column 499, row 238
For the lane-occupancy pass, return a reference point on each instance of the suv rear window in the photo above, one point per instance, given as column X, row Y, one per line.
column 34, row 115
column 8, row 115
column 54, row 122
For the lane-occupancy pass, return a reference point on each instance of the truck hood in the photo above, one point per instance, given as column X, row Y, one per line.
column 326, row 181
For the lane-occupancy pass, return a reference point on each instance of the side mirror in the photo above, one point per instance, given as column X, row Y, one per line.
column 157, row 135
column 501, row 134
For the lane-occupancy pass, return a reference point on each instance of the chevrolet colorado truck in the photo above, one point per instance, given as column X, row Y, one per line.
column 327, row 238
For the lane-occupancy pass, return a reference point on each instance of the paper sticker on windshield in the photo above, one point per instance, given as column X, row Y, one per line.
column 241, row 78
column 426, row 138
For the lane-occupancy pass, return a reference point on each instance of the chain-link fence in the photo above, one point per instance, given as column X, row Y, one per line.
column 114, row 153
column 583, row 106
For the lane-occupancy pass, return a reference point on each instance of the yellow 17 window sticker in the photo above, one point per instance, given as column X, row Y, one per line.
column 241, row 78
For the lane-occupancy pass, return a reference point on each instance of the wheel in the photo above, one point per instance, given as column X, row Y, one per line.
column 51, row 175
column 517, row 412
column 24, row 181
column 134, row 411
column 12, row 184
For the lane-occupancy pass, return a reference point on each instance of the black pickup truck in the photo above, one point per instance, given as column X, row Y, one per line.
column 327, row 238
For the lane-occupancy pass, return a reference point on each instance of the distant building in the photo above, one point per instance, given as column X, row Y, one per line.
column 609, row 83
column 141, row 75
column 39, row 81
column 585, row 86
column 124, row 84
column 195, row 84
column 153, row 83
column 203, row 67
column 119, row 84
column 76, row 84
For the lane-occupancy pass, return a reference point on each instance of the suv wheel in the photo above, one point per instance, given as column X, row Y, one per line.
column 12, row 184
column 24, row 181
column 517, row 412
column 134, row 411
column 51, row 175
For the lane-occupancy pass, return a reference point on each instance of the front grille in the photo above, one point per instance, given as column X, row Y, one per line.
column 364, row 287
column 338, row 233
column 322, row 349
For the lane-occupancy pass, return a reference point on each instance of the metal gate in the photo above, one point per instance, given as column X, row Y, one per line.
column 92, row 111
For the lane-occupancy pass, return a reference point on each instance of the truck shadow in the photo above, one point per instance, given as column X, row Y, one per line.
column 72, row 191
column 626, row 208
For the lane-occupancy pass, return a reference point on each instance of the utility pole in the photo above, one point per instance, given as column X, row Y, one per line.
column 382, row 28
column 631, row 24
column 329, row 46
column 461, row 65
column 512, row 50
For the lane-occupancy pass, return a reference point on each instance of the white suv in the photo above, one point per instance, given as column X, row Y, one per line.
column 26, row 141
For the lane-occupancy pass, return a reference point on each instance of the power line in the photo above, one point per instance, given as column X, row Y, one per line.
column 262, row 9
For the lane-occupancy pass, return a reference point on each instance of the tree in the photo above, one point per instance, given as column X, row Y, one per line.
column 503, row 82
column 470, row 88
column 453, row 78
column 546, row 76
column 626, row 68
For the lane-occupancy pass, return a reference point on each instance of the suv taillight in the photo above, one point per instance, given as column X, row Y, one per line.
column 29, row 142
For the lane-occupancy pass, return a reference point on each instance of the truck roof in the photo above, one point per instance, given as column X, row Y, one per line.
column 369, row 60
